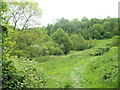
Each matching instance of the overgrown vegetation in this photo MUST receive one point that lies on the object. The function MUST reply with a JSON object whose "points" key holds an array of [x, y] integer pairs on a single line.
{"points": [[115, 41], [81, 70], [66, 54], [99, 51]]}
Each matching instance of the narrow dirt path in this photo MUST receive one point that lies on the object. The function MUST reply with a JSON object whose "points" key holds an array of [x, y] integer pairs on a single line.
{"points": [[77, 80]]}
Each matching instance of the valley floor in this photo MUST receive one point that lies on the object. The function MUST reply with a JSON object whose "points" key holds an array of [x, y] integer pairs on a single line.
{"points": [[80, 69]]}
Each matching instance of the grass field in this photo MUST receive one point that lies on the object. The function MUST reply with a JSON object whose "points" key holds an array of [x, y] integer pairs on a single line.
{"points": [[80, 69]]}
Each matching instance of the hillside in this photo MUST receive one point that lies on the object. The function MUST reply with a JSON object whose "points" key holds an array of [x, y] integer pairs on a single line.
{"points": [[82, 69]]}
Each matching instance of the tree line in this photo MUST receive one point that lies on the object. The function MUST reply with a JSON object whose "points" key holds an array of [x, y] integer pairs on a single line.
{"points": [[89, 28]]}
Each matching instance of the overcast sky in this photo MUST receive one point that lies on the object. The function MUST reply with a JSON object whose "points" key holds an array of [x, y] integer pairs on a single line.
{"points": [[69, 9]]}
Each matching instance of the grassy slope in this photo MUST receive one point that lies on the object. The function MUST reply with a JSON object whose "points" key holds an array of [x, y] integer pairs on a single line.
{"points": [[79, 69]]}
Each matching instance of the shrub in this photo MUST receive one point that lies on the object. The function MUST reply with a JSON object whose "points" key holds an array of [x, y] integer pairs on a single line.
{"points": [[91, 43], [54, 48], [33, 74], [79, 43], [115, 41], [12, 78], [108, 35], [99, 51]]}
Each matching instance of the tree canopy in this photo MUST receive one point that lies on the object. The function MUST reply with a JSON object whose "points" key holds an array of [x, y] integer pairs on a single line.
{"points": [[23, 14]]}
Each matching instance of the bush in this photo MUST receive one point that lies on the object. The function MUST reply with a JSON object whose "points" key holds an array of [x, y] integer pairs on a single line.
{"points": [[36, 50], [79, 43], [115, 41], [12, 78], [33, 74], [91, 43], [19, 73], [54, 48], [99, 51]]}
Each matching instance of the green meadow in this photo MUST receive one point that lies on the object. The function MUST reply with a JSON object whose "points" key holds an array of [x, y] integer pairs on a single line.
{"points": [[79, 69]]}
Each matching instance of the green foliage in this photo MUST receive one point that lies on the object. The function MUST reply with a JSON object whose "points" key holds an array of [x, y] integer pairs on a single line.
{"points": [[97, 34], [104, 69], [53, 48], [73, 70], [107, 26], [33, 75], [91, 43], [12, 79], [80, 70], [115, 41], [108, 34], [26, 43], [23, 14], [98, 31], [76, 41], [115, 31], [93, 28], [63, 40], [79, 43], [34, 43], [17, 71], [99, 51], [3, 9]]}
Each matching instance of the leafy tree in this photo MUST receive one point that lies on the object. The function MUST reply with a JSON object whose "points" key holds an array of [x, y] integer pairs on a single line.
{"points": [[23, 14], [30, 43], [62, 39], [107, 26], [74, 26], [85, 22], [94, 21], [99, 28], [77, 41], [63, 24], [97, 34], [34, 42]]}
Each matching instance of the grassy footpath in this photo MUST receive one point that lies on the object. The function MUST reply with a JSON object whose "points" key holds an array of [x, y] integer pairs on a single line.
{"points": [[79, 69]]}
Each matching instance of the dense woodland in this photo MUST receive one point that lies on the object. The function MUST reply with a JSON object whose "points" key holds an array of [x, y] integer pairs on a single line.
{"points": [[24, 49]]}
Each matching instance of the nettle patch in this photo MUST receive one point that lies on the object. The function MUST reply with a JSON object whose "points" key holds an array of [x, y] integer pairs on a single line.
{"points": [[104, 69], [99, 51]]}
